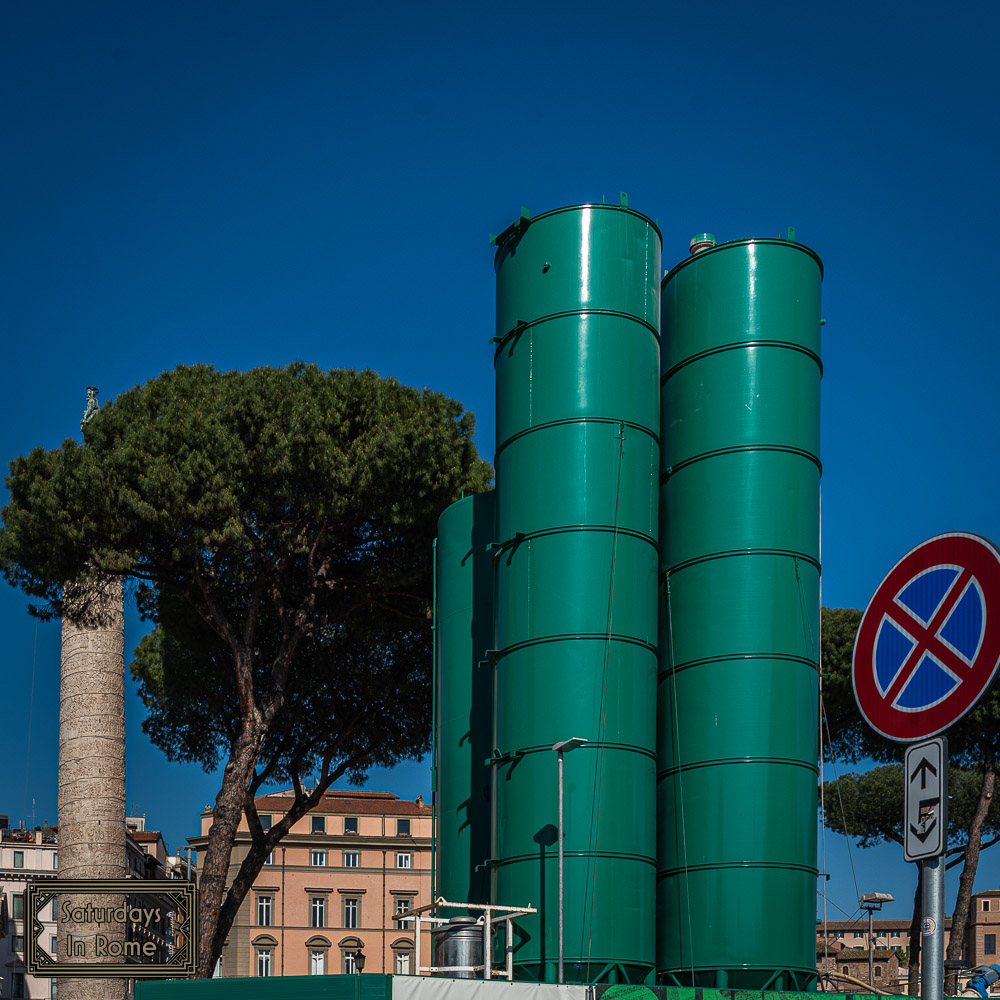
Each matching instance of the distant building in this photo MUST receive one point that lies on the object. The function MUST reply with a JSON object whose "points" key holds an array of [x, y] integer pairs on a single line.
{"points": [[980, 946], [854, 962], [25, 856], [332, 887]]}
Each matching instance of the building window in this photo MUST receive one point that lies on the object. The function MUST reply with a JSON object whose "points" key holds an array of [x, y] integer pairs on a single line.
{"points": [[265, 824], [351, 859], [847, 970], [859, 934], [351, 827], [403, 906], [17, 942], [53, 988], [263, 961], [269, 860], [55, 859], [352, 907], [895, 934], [403, 963], [55, 907], [17, 906], [986, 905], [317, 911], [404, 860], [839, 934], [878, 971], [317, 859], [264, 914], [350, 966], [19, 863], [318, 824], [54, 940], [402, 828], [17, 985], [317, 963], [989, 944]]}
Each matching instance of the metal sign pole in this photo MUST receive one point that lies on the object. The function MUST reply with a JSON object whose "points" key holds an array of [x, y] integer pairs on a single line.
{"points": [[932, 930]]}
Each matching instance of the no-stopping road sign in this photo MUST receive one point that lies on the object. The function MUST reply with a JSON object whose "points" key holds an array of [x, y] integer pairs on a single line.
{"points": [[928, 646]]}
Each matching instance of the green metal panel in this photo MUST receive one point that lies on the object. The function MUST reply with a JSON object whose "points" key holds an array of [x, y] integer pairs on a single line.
{"points": [[365, 987], [464, 634], [577, 464], [739, 531]]}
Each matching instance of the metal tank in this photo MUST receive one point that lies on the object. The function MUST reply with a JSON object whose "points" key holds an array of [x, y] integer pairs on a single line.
{"points": [[458, 943], [739, 599], [576, 556], [463, 625]]}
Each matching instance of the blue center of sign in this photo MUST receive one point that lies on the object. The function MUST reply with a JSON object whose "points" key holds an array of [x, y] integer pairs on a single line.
{"points": [[959, 619]]}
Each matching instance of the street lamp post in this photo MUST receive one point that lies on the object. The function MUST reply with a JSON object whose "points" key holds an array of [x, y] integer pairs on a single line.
{"points": [[872, 901], [561, 748]]}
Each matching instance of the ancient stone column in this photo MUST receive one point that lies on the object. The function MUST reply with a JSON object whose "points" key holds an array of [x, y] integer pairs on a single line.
{"points": [[91, 769]]}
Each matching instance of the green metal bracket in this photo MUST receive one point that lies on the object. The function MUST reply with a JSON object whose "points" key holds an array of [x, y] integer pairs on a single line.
{"points": [[516, 228], [791, 234], [623, 199], [519, 327]]}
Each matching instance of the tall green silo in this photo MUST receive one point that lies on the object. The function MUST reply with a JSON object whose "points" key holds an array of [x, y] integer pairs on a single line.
{"points": [[576, 563], [463, 619], [739, 603]]}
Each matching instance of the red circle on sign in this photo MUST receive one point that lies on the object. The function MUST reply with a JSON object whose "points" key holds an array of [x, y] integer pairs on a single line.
{"points": [[919, 663]]}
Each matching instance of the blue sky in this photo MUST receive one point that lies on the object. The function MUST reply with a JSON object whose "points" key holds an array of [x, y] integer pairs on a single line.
{"points": [[252, 183]]}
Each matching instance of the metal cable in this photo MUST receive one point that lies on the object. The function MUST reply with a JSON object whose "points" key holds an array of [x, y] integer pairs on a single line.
{"points": [[680, 773], [596, 813]]}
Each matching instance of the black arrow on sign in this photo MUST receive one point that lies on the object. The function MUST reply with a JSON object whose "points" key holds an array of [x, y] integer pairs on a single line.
{"points": [[922, 768]]}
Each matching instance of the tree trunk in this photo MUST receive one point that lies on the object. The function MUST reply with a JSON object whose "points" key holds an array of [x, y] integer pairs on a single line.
{"points": [[913, 972], [91, 767], [960, 918], [214, 871]]}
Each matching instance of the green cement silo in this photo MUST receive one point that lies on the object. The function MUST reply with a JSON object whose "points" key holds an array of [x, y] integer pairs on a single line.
{"points": [[576, 562], [739, 603], [463, 636]]}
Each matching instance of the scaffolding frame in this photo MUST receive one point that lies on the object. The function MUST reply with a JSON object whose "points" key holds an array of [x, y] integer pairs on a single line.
{"points": [[486, 920]]}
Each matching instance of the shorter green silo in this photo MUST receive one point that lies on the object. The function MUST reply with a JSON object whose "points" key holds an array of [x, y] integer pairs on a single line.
{"points": [[739, 605], [463, 634]]}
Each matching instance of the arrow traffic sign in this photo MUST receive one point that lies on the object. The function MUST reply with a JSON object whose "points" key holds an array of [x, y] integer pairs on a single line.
{"points": [[925, 819], [928, 646]]}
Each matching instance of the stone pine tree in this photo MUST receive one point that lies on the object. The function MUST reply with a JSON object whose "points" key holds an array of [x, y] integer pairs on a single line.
{"points": [[973, 745], [92, 763], [277, 526]]}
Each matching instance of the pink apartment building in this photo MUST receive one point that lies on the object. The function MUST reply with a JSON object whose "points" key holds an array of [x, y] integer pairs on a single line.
{"points": [[332, 887]]}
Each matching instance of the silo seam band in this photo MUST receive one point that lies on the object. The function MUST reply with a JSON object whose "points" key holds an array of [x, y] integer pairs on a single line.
{"points": [[562, 529], [731, 553], [578, 420], [533, 858], [527, 324], [738, 346], [593, 745], [696, 765], [787, 449], [737, 658], [673, 872], [583, 636]]}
